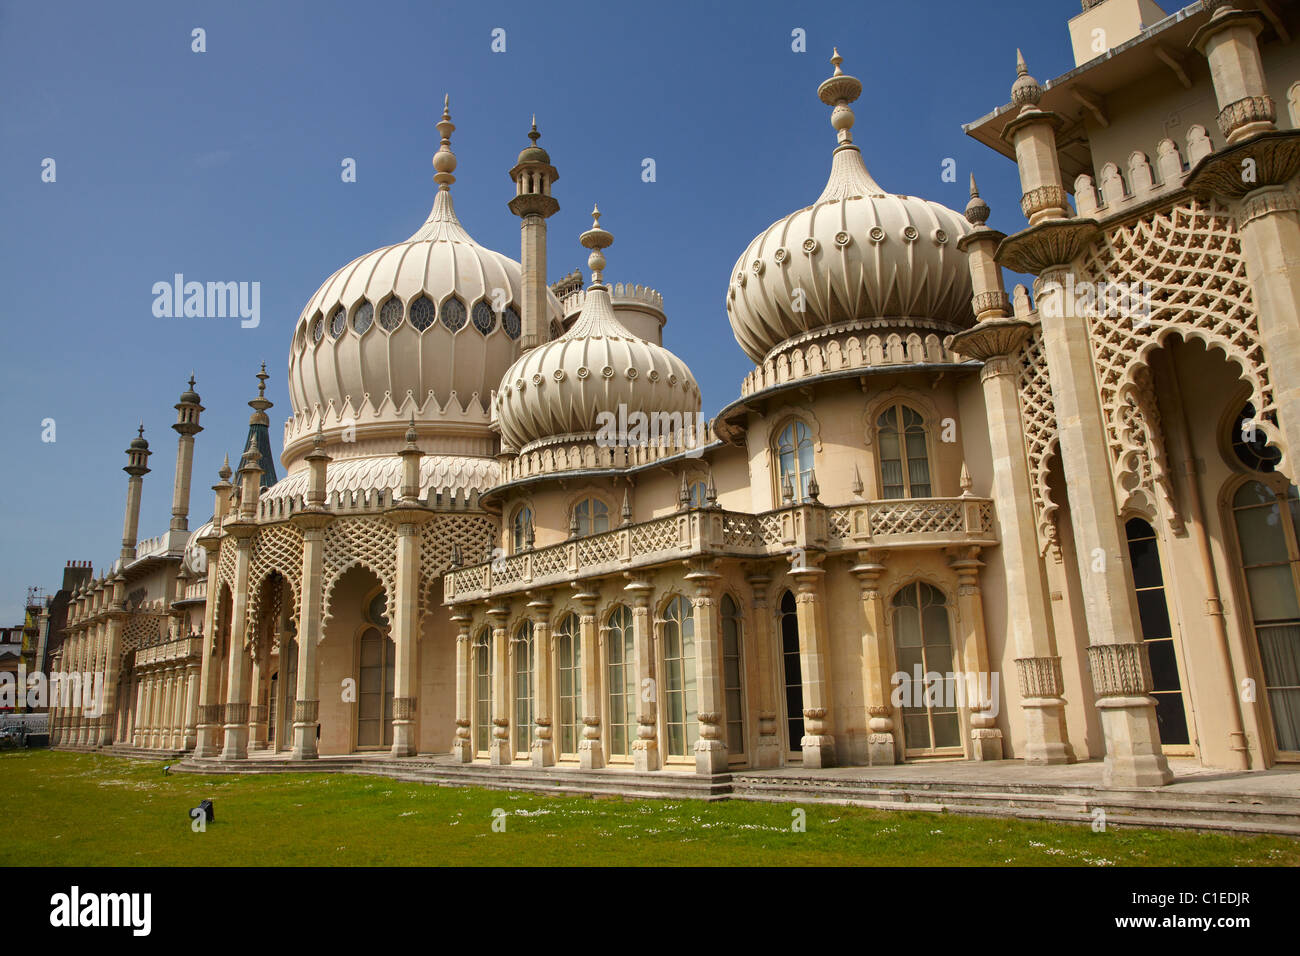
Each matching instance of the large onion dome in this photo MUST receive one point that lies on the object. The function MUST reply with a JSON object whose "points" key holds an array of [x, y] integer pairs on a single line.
{"points": [[423, 327], [557, 391], [858, 257]]}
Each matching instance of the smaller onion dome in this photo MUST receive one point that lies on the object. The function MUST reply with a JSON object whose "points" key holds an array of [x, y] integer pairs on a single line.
{"points": [[559, 390], [533, 153], [139, 441]]}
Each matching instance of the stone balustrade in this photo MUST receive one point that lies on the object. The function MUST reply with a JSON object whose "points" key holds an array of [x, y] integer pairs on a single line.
{"points": [[893, 523]]}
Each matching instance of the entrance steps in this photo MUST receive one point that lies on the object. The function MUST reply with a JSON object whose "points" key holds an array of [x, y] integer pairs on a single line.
{"points": [[1265, 813]]}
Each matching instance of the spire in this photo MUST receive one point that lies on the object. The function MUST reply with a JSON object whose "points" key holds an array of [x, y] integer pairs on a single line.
{"points": [[1025, 91], [849, 177], [596, 239], [259, 432], [225, 472], [444, 160], [977, 210]]}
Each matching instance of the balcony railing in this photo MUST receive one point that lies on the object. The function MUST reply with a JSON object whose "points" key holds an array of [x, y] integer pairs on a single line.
{"points": [[699, 532]]}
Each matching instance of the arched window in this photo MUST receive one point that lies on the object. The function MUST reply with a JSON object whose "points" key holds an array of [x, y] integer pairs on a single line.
{"points": [[375, 678], [1157, 632], [679, 677], [732, 680], [904, 462], [621, 657], [1249, 445], [510, 322], [338, 322], [923, 649], [485, 319], [483, 690], [794, 452], [363, 317], [568, 658], [521, 529], [1266, 543], [792, 675], [591, 516], [700, 494], [523, 717], [452, 314]]}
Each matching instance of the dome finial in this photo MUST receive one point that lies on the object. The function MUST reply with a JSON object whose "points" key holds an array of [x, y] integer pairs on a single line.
{"points": [[1025, 91], [444, 160], [838, 92], [596, 239], [977, 210], [532, 133]]}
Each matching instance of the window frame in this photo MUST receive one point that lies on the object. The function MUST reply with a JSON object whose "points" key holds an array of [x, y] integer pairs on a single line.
{"points": [[895, 408]]}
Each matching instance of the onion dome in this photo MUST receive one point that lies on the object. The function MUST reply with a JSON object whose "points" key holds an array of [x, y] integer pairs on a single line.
{"points": [[858, 257], [423, 327], [533, 153], [558, 391]]}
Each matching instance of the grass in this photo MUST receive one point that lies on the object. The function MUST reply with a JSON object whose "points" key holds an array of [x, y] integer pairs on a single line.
{"points": [[66, 809]]}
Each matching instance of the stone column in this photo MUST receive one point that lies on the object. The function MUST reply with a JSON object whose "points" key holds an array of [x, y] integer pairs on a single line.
{"points": [[178, 712], [462, 747], [141, 702], [406, 629], [306, 708], [112, 663], [590, 751], [977, 681], [543, 744], [238, 673], [645, 749], [501, 751], [768, 753], [877, 658], [996, 339], [818, 742], [1118, 657], [210, 716], [257, 714], [711, 745], [191, 706]]}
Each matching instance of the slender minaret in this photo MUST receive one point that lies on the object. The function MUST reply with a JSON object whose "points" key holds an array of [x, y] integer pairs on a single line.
{"points": [[533, 175], [137, 466], [187, 426], [259, 431]]}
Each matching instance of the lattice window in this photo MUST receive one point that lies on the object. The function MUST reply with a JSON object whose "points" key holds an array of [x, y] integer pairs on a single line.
{"points": [[1038, 422], [276, 548], [370, 542], [550, 561], [926, 518], [226, 563], [474, 533], [1188, 260], [598, 550]]}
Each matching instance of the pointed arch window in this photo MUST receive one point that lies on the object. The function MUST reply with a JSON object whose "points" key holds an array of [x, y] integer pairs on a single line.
{"points": [[1266, 524], [904, 460], [591, 516], [521, 529], [483, 690], [794, 452], [390, 314], [923, 649], [621, 669], [485, 319], [680, 694], [523, 696], [568, 659], [452, 314], [422, 313], [375, 683], [363, 317], [733, 669]]}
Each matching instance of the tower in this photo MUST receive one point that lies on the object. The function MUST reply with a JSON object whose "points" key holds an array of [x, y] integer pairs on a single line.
{"points": [[187, 426], [259, 431], [533, 175], [137, 466]]}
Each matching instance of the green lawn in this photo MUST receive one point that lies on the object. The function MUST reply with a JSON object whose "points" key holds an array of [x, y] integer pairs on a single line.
{"points": [[91, 810]]}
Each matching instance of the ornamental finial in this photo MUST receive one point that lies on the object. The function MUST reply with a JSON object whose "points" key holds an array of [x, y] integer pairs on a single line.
{"points": [[596, 239], [977, 210], [444, 160], [838, 92]]}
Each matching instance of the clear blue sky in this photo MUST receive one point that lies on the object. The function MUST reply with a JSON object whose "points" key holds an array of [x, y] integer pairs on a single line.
{"points": [[225, 165]]}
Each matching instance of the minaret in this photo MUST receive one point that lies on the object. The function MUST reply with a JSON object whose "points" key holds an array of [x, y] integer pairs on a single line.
{"points": [[137, 466], [259, 431], [533, 204], [187, 426]]}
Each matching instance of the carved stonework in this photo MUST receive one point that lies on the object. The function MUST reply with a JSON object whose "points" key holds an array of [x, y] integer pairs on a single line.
{"points": [[1054, 243], [1044, 197], [1038, 421], [1120, 670], [1187, 263], [1040, 676], [306, 711], [404, 708], [1248, 109], [1273, 158], [236, 714], [210, 713]]}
